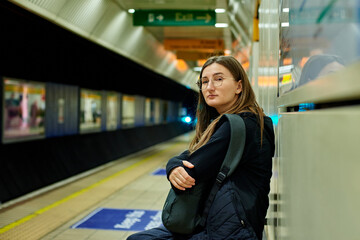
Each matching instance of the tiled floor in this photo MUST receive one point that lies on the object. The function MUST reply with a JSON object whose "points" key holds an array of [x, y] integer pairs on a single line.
{"points": [[124, 184], [147, 192]]}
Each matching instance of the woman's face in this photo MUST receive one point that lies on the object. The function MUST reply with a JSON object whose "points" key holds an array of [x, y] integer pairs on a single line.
{"points": [[220, 97]]}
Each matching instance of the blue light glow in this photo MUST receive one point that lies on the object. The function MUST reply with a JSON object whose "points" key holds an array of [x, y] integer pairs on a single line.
{"points": [[275, 119], [306, 106], [186, 119]]}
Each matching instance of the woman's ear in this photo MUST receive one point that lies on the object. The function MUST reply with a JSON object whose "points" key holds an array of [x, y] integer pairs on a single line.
{"points": [[239, 87]]}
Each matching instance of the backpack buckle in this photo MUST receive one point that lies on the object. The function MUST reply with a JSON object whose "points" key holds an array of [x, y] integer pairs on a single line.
{"points": [[220, 177]]}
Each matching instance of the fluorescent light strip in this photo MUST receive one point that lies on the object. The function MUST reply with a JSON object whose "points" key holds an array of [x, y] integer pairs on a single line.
{"points": [[221, 25], [220, 10]]}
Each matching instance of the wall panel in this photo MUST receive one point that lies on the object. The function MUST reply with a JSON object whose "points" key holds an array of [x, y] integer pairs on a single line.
{"points": [[320, 174], [62, 110]]}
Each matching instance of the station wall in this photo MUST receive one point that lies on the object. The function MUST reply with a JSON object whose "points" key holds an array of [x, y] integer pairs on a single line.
{"points": [[35, 50]]}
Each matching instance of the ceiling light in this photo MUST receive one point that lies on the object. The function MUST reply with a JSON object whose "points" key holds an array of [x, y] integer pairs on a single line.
{"points": [[220, 10], [285, 9], [131, 10], [197, 69], [284, 24], [221, 25]]}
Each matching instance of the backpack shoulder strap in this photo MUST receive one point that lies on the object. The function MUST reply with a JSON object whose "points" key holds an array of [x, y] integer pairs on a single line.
{"points": [[232, 159], [237, 143]]}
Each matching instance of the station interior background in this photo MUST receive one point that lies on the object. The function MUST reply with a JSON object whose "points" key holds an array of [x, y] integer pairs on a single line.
{"points": [[80, 57]]}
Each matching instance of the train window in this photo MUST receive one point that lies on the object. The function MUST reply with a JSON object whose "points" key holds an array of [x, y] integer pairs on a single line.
{"points": [[317, 38]]}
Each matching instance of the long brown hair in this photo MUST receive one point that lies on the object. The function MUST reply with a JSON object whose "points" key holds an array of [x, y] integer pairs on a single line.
{"points": [[246, 102]]}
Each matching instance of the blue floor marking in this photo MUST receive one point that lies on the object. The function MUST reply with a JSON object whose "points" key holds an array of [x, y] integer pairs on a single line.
{"points": [[160, 171], [121, 219]]}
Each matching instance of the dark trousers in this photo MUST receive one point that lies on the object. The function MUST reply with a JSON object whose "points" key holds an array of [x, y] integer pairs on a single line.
{"points": [[161, 233]]}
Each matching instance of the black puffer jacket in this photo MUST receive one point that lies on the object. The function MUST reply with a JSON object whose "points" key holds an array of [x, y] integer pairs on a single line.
{"points": [[246, 191]]}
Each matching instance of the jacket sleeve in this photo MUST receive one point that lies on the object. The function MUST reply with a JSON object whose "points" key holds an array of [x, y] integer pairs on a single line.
{"points": [[176, 162], [207, 160]]}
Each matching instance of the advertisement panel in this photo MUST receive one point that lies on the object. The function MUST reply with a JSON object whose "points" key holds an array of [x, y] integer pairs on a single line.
{"points": [[128, 113], [90, 110], [24, 110]]}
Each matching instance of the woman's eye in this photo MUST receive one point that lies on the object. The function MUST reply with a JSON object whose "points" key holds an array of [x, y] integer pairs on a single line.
{"points": [[218, 79]]}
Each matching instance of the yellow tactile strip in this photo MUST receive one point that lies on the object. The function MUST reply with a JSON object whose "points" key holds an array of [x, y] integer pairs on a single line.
{"points": [[45, 220]]}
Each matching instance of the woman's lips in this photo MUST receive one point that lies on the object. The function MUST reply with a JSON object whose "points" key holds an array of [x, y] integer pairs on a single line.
{"points": [[211, 96]]}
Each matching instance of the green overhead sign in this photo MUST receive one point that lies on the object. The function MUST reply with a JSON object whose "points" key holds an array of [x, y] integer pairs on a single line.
{"points": [[174, 18]]}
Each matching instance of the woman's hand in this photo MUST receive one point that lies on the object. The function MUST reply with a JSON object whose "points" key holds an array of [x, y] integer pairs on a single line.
{"points": [[180, 178]]}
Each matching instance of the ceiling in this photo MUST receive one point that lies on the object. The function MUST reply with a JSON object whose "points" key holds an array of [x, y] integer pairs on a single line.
{"points": [[228, 34], [182, 32], [109, 24]]}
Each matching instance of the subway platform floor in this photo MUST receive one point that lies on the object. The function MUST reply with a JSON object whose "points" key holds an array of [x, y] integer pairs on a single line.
{"points": [[109, 202]]}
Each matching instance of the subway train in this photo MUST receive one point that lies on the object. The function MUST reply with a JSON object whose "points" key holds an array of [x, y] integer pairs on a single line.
{"points": [[77, 75]]}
